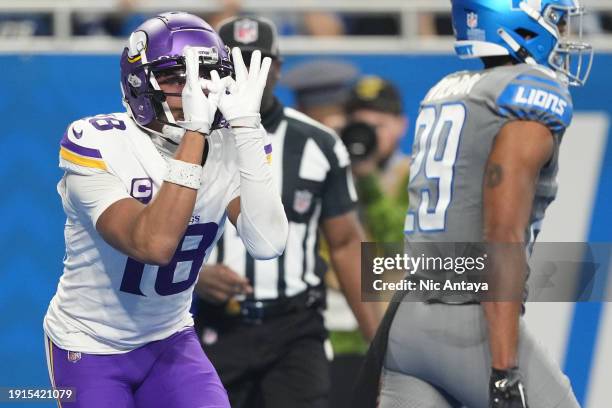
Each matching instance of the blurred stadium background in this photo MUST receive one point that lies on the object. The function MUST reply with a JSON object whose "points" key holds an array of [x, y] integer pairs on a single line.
{"points": [[59, 62]]}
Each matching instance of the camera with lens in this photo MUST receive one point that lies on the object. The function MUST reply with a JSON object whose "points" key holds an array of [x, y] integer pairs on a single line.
{"points": [[360, 140]]}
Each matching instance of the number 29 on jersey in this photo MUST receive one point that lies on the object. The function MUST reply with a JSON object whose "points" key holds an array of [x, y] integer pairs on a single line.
{"points": [[438, 133]]}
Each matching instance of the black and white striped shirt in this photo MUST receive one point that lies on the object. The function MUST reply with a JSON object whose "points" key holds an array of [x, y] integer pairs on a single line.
{"points": [[311, 166]]}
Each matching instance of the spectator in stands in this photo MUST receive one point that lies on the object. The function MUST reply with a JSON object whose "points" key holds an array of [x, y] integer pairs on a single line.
{"points": [[432, 24], [117, 24], [376, 123], [227, 9], [24, 25], [373, 24], [318, 24]]}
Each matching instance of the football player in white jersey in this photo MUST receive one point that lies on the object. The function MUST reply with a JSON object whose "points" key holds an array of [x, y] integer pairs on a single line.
{"points": [[146, 194]]}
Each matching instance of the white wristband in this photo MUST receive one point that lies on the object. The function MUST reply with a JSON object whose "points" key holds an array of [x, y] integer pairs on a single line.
{"points": [[251, 121], [184, 174]]}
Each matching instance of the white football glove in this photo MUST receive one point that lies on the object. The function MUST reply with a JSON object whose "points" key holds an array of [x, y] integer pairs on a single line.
{"points": [[240, 104], [198, 109]]}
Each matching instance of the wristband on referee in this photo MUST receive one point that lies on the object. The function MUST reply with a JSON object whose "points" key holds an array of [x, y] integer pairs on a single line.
{"points": [[184, 174]]}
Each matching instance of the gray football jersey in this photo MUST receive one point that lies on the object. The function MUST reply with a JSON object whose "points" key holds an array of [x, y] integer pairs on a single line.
{"points": [[457, 124]]}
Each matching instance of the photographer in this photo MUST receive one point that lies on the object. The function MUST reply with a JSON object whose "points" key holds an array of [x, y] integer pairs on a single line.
{"points": [[376, 124]]}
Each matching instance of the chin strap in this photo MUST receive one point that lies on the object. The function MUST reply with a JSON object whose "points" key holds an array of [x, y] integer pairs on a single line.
{"points": [[521, 51]]}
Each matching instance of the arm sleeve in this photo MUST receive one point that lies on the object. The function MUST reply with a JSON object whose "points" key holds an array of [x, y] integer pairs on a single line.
{"points": [[234, 187], [90, 195], [262, 223], [339, 194], [536, 96]]}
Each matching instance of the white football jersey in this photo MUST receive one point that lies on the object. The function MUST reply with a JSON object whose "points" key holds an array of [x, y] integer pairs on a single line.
{"points": [[106, 302]]}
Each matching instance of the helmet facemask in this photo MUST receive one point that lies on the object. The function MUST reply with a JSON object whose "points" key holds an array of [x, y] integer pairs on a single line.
{"points": [[141, 84], [535, 32], [572, 57], [155, 51], [171, 71]]}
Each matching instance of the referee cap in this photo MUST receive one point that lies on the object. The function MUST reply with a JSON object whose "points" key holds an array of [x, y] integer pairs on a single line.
{"points": [[250, 33]]}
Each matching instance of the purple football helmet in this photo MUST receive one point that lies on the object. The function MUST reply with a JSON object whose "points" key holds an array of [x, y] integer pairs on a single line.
{"points": [[157, 47]]}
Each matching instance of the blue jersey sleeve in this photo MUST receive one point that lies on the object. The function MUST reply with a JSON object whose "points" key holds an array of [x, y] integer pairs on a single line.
{"points": [[537, 96]]}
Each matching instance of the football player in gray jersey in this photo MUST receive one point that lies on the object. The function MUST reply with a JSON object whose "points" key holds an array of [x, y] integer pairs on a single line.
{"points": [[485, 159]]}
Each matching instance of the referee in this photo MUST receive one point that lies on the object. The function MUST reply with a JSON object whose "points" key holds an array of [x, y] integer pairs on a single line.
{"points": [[260, 322]]}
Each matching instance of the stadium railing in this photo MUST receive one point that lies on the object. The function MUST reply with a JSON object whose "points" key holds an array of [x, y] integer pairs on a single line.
{"points": [[62, 40]]}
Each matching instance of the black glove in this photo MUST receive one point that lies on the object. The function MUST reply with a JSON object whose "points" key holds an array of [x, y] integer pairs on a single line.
{"points": [[506, 389]]}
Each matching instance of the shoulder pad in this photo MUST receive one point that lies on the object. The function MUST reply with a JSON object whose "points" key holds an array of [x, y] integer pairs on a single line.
{"points": [[536, 95], [79, 148]]}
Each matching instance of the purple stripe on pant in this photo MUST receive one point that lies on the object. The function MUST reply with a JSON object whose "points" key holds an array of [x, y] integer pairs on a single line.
{"points": [[173, 372]]}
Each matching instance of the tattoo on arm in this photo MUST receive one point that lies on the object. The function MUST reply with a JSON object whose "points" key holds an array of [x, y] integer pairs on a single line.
{"points": [[494, 175]]}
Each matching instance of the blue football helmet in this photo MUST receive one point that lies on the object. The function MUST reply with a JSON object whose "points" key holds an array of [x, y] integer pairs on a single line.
{"points": [[530, 31]]}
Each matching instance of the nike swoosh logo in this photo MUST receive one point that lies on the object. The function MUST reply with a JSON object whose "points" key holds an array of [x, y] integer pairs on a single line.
{"points": [[76, 134]]}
